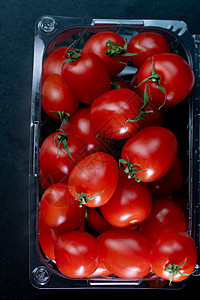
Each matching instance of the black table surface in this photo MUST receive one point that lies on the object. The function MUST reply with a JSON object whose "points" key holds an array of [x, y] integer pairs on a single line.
{"points": [[17, 19]]}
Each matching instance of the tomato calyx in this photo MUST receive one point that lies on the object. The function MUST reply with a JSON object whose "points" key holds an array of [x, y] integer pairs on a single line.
{"points": [[115, 49], [143, 112], [84, 198], [71, 55], [63, 116], [174, 269], [156, 78], [131, 170], [62, 138]]}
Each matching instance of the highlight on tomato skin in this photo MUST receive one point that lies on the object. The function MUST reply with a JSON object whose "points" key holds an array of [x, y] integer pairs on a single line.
{"points": [[77, 254], [173, 255]]}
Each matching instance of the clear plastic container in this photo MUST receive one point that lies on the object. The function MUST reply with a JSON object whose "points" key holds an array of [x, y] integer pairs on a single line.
{"points": [[52, 32]]}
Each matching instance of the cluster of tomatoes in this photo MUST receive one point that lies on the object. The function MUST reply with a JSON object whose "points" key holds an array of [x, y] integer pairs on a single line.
{"points": [[111, 171]]}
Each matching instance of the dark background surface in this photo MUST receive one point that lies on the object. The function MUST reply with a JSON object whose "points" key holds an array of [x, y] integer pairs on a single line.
{"points": [[17, 19]]}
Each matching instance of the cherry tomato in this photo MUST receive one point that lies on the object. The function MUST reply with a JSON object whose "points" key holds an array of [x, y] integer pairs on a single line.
{"points": [[130, 204], [53, 63], [47, 238], [96, 221], [110, 111], [125, 253], [77, 254], [169, 184], [110, 53], [79, 124], [94, 179], [173, 255], [55, 161], [149, 154], [148, 44], [170, 77], [165, 214], [86, 75], [59, 210], [57, 97]]}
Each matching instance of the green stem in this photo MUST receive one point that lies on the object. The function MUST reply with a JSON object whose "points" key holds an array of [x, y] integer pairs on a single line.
{"points": [[62, 138], [131, 170], [84, 198], [63, 116]]}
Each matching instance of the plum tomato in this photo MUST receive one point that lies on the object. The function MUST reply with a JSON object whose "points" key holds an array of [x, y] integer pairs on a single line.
{"points": [[96, 221], [47, 238], [169, 79], [86, 75], [148, 44], [77, 254], [94, 179], [130, 204], [55, 161], [53, 63], [173, 255], [125, 253], [79, 125], [149, 154], [165, 214], [59, 210], [57, 97], [169, 184], [109, 114], [110, 48]]}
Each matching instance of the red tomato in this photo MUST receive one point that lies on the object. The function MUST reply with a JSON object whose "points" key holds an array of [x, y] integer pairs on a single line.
{"points": [[125, 253], [77, 254], [101, 270], [93, 180], [57, 97], [165, 214], [86, 75], [173, 255], [118, 83], [55, 162], [149, 44], [109, 113], [53, 63], [172, 74], [149, 154], [101, 44], [130, 204], [169, 184], [59, 210], [47, 238], [96, 221], [79, 124], [43, 181]]}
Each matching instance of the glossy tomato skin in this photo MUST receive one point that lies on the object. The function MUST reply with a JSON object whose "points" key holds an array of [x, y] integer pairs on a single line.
{"points": [[55, 163], [101, 270], [59, 210], [169, 184], [57, 97], [109, 113], [53, 63], [97, 44], [177, 78], [125, 253], [87, 77], [173, 247], [47, 238], [149, 44], [77, 254], [79, 124], [130, 204], [152, 149], [96, 173], [165, 214]]}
